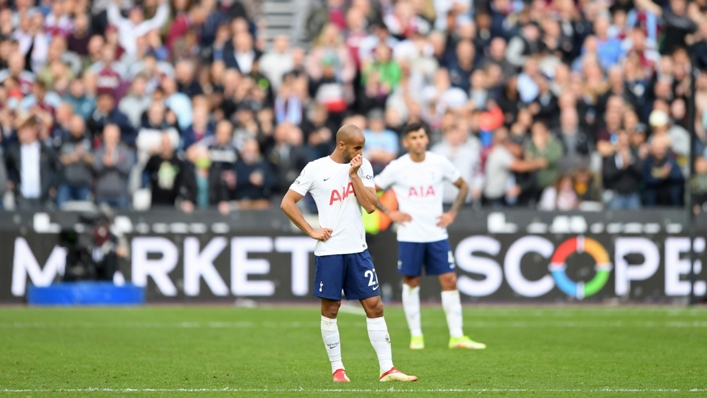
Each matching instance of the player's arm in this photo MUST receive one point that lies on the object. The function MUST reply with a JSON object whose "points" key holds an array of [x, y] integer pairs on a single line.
{"points": [[289, 206], [396, 216], [447, 218], [367, 197]]}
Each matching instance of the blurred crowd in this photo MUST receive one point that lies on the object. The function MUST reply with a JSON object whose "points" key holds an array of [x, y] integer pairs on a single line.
{"points": [[547, 104]]}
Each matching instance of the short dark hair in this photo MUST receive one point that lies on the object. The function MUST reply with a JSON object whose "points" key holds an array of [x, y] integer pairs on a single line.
{"points": [[410, 127]]}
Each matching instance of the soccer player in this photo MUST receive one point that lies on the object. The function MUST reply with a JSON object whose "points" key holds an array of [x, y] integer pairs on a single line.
{"points": [[341, 184], [417, 180]]}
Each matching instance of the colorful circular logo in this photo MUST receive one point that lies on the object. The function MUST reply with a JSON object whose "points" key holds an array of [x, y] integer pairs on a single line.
{"points": [[558, 264]]}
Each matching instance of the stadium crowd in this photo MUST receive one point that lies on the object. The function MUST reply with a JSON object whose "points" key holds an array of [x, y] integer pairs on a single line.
{"points": [[549, 104]]}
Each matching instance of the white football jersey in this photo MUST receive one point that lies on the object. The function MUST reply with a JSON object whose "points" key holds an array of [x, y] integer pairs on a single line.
{"points": [[332, 190], [419, 187]]}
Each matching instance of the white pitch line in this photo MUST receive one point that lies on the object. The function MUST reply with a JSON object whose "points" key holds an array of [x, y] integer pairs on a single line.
{"points": [[335, 390]]}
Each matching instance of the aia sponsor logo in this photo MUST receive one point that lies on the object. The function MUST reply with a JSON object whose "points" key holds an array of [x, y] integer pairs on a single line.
{"points": [[421, 192], [337, 196]]}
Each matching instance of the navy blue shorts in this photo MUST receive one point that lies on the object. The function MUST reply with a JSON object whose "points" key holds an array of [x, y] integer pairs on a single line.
{"points": [[435, 256], [353, 273]]}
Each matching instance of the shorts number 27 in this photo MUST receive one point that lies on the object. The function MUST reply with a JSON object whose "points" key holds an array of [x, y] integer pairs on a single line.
{"points": [[372, 277]]}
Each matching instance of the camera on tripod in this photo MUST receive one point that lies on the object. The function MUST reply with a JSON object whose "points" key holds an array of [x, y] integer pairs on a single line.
{"points": [[90, 248]]}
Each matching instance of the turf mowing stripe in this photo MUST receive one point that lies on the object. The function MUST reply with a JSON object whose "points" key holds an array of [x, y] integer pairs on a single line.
{"points": [[392, 389], [294, 325]]}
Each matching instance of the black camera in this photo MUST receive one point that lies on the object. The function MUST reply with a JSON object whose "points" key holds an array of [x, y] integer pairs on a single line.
{"points": [[90, 249]]}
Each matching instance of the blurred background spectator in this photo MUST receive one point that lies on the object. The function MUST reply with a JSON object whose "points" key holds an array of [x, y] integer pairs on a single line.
{"points": [[530, 100]]}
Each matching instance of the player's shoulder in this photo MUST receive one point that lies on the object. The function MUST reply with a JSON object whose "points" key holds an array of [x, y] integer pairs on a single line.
{"points": [[437, 158], [400, 162], [318, 164]]}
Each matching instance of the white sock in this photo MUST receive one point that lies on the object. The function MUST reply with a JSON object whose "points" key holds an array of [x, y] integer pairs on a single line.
{"points": [[380, 340], [453, 310], [411, 305], [332, 343]]}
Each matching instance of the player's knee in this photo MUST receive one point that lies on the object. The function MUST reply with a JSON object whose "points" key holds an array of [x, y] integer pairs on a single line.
{"points": [[375, 309], [330, 309], [412, 281], [448, 281]]}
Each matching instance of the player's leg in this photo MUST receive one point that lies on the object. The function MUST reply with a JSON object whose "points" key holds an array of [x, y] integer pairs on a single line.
{"points": [[440, 261], [328, 282], [410, 256], [361, 283]]}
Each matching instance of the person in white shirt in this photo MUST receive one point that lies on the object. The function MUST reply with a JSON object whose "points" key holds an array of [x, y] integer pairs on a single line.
{"points": [[135, 26], [418, 182], [341, 184]]}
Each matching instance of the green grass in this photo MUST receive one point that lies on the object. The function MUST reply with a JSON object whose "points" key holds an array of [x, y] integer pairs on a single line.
{"points": [[540, 351]]}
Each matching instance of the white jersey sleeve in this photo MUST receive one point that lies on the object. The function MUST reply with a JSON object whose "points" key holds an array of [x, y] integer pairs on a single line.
{"points": [[304, 181], [449, 172], [366, 174]]}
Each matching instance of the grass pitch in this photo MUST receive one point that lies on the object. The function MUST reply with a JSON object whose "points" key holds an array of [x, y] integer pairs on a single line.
{"points": [[278, 351]]}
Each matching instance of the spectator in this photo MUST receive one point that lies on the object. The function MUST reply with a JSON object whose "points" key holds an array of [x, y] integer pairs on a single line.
{"points": [[609, 49], [203, 186], [274, 64], [559, 196], [699, 185], [576, 144], [545, 106], [526, 44], [136, 103], [460, 70], [186, 79], [331, 68], [441, 96], [623, 175], [545, 146], [201, 128], [241, 53], [106, 114], [80, 102], [16, 70], [129, 29], [381, 144], [77, 159], [587, 185], [288, 106], [288, 156], [41, 98], [677, 137], [496, 56], [177, 102], [165, 171], [112, 164], [464, 151], [504, 159], [182, 24], [608, 136], [386, 69], [662, 176], [31, 167], [150, 136], [77, 41], [254, 180]]}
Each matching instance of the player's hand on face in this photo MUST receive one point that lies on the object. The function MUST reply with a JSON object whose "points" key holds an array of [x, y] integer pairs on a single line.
{"points": [[356, 163], [322, 234], [399, 217], [445, 219]]}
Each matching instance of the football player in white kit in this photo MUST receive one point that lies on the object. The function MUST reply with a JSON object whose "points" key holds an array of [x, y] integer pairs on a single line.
{"points": [[418, 180], [341, 184]]}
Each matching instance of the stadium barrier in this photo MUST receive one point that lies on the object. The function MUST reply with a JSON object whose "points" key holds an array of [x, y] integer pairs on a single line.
{"points": [[512, 256]]}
